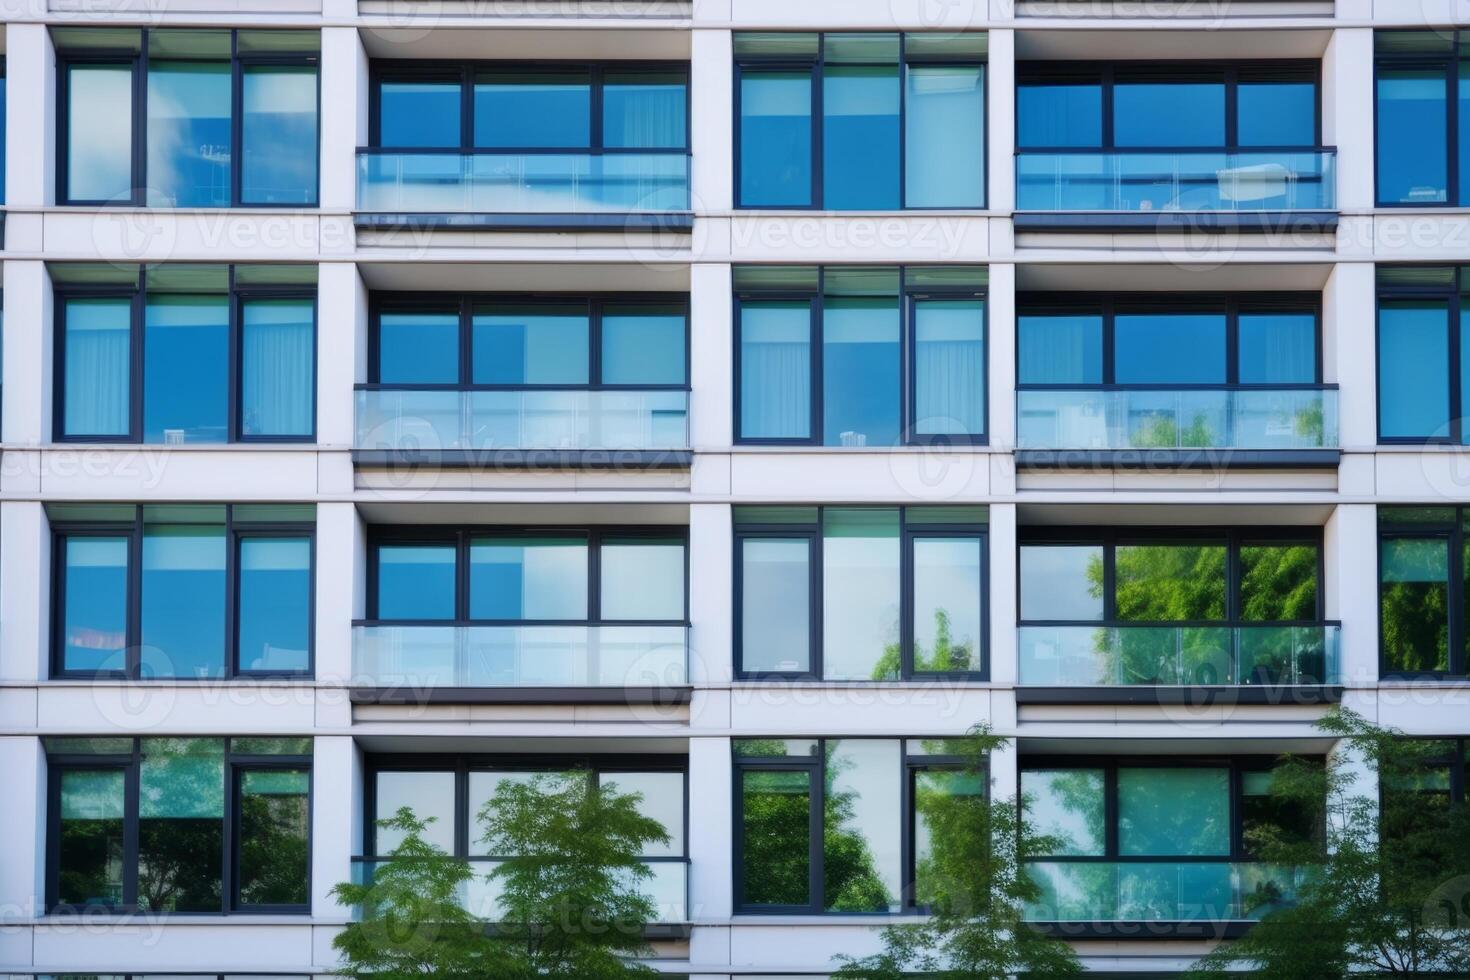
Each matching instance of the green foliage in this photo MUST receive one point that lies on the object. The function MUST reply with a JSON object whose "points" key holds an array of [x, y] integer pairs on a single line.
{"points": [[946, 657], [1414, 606]]}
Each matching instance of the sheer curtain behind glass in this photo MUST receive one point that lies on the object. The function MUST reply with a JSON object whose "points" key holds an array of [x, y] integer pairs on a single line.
{"points": [[643, 109], [98, 355], [277, 367], [775, 369], [949, 346]]}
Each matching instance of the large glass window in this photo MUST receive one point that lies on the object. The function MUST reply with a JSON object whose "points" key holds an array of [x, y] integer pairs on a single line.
{"points": [[181, 151], [901, 119], [145, 825], [1423, 354], [823, 354], [225, 354], [1422, 117], [1423, 553], [182, 590], [861, 561]]}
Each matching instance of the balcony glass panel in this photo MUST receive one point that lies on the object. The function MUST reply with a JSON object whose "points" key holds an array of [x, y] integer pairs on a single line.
{"points": [[1186, 181], [1163, 891]]}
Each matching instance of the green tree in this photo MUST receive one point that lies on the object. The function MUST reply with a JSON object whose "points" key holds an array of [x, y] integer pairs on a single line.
{"points": [[946, 656]]}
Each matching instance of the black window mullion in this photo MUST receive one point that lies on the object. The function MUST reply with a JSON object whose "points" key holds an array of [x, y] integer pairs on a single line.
{"points": [[905, 601], [594, 575], [134, 629], [1453, 375], [140, 122], [817, 616], [462, 815], [138, 317], [1110, 811], [467, 107], [816, 839], [818, 435], [130, 828], [237, 128], [594, 105], [818, 73], [232, 595], [1232, 109], [466, 341], [1452, 128], [234, 357], [903, 108], [462, 576], [1456, 601], [595, 313]]}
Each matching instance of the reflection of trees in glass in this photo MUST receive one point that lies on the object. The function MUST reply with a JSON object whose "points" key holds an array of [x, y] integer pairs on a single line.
{"points": [[91, 848], [181, 824], [850, 879], [1164, 432], [1414, 604], [776, 825], [273, 837], [946, 657]]}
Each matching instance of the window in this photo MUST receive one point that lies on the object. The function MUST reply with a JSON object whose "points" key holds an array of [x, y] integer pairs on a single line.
{"points": [[192, 591], [1427, 778], [874, 795], [187, 118], [822, 354], [189, 825], [818, 592], [1422, 556], [1423, 354], [1423, 118], [176, 354], [860, 122]]}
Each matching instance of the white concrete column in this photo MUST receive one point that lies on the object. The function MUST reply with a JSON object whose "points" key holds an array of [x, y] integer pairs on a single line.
{"points": [[711, 881], [1005, 772], [1347, 113], [25, 601], [711, 592], [336, 818], [344, 122], [1000, 330], [712, 133], [1000, 101], [1350, 560], [25, 412], [30, 114], [711, 335], [1003, 593], [1349, 351], [342, 356], [23, 824], [341, 557]]}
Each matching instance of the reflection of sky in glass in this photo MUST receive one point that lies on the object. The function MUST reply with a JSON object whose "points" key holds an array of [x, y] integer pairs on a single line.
{"points": [[427, 794], [947, 580], [868, 770], [860, 584], [1055, 584], [99, 132], [1066, 804], [189, 134]]}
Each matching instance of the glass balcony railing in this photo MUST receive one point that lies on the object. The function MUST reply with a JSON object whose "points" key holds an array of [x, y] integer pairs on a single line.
{"points": [[572, 418], [1176, 180], [1177, 418], [1111, 656], [421, 657], [1160, 891], [667, 889], [461, 181]]}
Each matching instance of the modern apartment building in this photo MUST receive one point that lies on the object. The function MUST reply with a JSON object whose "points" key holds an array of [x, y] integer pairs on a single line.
{"points": [[731, 399]]}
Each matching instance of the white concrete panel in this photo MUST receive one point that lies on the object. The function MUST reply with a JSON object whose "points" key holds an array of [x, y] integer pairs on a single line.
{"points": [[927, 708], [1003, 590], [22, 824], [710, 590], [711, 401], [25, 412], [344, 95], [915, 238], [25, 600], [207, 235], [341, 303], [178, 472], [931, 475], [30, 108], [710, 832], [175, 944], [711, 135], [177, 708]]}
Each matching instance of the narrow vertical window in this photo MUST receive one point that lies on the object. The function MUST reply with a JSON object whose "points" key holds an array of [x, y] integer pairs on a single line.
{"points": [[98, 359], [274, 628], [860, 112], [775, 625], [94, 622], [1413, 376], [277, 367], [944, 137], [90, 852], [775, 369], [189, 137], [860, 593], [99, 115], [186, 369], [181, 810], [1413, 144], [183, 611], [278, 135], [775, 138], [775, 829], [273, 843], [1414, 604], [949, 367]]}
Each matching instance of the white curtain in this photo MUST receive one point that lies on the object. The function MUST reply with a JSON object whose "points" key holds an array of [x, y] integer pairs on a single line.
{"points": [[277, 368]]}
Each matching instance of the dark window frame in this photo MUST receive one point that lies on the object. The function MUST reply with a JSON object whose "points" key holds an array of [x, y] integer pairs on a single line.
{"points": [[1450, 61], [1457, 629], [1451, 293]]}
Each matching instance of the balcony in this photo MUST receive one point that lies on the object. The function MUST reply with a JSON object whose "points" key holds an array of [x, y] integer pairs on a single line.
{"points": [[1254, 190], [532, 191], [520, 664], [1196, 427], [569, 427], [1266, 664]]}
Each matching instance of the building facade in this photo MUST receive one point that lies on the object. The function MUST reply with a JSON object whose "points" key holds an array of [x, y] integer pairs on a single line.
{"points": [[732, 399]]}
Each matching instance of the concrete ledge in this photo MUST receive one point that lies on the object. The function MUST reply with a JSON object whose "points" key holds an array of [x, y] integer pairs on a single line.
{"points": [[1177, 459], [1306, 694]]}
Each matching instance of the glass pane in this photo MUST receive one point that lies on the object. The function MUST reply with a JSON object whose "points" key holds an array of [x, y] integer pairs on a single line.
{"points": [[860, 592], [642, 579], [794, 748], [418, 348], [860, 371], [947, 629], [1413, 376], [1057, 350], [99, 133], [860, 138], [1068, 805], [189, 134], [1163, 583], [643, 348], [775, 369], [949, 367], [98, 358], [275, 604], [274, 852], [663, 800], [1464, 368], [1262, 812], [183, 600], [948, 807], [1167, 812], [1278, 582], [1169, 114], [277, 367], [418, 113], [646, 109], [1062, 582], [1278, 348], [775, 830], [1276, 113], [430, 795], [1413, 146], [90, 851], [775, 604], [278, 134], [186, 369], [528, 578], [1463, 131], [533, 110], [1169, 348], [944, 137], [775, 138], [1415, 604], [181, 819], [532, 346], [95, 617], [862, 826], [1059, 115], [416, 581]]}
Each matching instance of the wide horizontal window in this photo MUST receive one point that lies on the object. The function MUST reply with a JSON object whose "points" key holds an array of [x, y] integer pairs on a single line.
{"points": [[860, 356], [1422, 81], [189, 825], [153, 117], [1423, 354], [177, 354], [1422, 556], [860, 561], [847, 122], [190, 591]]}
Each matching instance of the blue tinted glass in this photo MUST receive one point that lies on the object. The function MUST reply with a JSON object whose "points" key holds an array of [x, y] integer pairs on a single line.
{"points": [[1413, 148], [1463, 131], [775, 138], [415, 581], [278, 134], [418, 114], [1057, 350], [528, 578], [643, 348], [1169, 114], [533, 110], [1169, 348], [1059, 115], [188, 134], [99, 132], [1413, 376], [1278, 348], [275, 604], [860, 138], [775, 369], [949, 367], [534, 346], [183, 600], [860, 371], [2, 139], [645, 109], [1276, 113], [1464, 372], [418, 348], [98, 367], [95, 618], [944, 137], [277, 367], [186, 369]]}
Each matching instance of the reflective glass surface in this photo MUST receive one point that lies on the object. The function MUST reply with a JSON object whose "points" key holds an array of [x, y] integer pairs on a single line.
{"points": [[274, 617]]}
